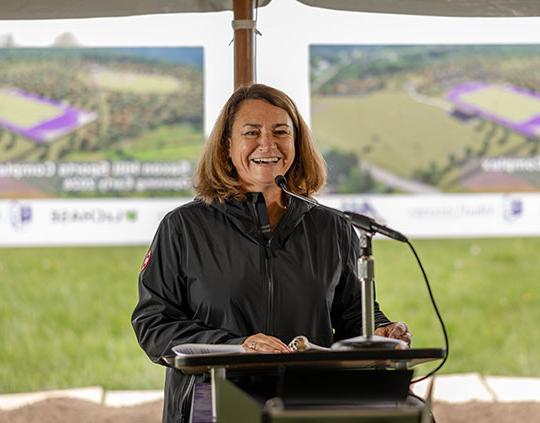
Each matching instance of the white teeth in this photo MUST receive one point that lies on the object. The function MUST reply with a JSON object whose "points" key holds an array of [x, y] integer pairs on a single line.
{"points": [[261, 160]]}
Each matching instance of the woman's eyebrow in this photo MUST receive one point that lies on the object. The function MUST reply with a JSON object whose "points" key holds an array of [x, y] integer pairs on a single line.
{"points": [[258, 125]]}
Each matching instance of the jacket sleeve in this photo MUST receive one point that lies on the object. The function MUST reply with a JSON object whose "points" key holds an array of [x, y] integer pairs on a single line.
{"points": [[347, 304], [162, 317]]}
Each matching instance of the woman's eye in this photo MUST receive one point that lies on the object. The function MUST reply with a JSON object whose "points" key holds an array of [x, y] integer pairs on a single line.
{"points": [[251, 133], [281, 132]]}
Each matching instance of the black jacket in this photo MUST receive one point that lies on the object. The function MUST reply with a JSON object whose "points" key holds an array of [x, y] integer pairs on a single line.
{"points": [[215, 274]]}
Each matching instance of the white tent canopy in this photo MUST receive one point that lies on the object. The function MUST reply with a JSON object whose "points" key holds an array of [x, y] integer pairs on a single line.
{"points": [[463, 8], [58, 9]]}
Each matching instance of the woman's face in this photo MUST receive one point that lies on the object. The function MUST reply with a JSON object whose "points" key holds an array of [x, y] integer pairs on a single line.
{"points": [[261, 144]]}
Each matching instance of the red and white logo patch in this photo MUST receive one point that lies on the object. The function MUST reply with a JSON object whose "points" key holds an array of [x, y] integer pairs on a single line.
{"points": [[146, 260]]}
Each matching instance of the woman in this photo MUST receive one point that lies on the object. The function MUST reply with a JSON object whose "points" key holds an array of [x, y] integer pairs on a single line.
{"points": [[244, 263]]}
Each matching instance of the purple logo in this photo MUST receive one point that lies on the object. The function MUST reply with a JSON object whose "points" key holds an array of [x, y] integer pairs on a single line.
{"points": [[20, 215], [512, 208]]}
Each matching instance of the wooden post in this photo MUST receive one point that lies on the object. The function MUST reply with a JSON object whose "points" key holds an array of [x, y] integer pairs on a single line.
{"points": [[244, 58]]}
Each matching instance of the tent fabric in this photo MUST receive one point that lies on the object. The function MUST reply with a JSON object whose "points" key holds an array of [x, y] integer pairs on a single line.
{"points": [[64, 9], [464, 8], [59, 9]]}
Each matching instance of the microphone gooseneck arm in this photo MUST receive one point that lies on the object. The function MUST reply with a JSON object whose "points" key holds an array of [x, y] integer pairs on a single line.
{"points": [[361, 221]]}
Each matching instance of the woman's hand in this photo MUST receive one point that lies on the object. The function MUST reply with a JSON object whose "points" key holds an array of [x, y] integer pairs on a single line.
{"points": [[397, 330], [261, 343]]}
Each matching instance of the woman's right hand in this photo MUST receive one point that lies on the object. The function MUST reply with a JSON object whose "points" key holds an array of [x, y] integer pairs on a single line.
{"points": [[261, 343]]}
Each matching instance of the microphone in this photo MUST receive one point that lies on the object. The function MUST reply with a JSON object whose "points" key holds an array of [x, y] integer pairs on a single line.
{"points": [[359, 220]]}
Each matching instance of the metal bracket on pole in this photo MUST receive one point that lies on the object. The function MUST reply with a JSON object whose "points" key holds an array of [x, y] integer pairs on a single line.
{"points": [[216, 374], [245, 24], [366, 276]]}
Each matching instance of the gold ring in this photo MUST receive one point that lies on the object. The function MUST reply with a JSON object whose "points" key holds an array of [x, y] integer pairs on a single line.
{"points": [[253, 345]]}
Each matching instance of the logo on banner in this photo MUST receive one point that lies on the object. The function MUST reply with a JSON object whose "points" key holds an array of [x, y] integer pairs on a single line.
{"points": [[512, 208], [20, 215], [93, 215], [131, 215]]}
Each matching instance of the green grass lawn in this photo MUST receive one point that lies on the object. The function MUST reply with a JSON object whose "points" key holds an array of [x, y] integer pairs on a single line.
{"points": [[488, 294], [65, 312], [65, 319]]}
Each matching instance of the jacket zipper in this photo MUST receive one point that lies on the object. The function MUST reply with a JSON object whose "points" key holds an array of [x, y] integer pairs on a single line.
{"points": [[269, 279], [270, 286]]}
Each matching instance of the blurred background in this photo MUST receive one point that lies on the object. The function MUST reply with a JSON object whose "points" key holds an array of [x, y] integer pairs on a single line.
{"points": [[428, 124]]}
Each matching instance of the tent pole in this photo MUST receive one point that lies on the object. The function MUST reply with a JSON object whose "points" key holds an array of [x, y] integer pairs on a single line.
{"points": [[244, 58]]}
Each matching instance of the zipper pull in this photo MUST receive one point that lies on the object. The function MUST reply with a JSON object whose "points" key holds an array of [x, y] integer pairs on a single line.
{"points": [[269, 252]]}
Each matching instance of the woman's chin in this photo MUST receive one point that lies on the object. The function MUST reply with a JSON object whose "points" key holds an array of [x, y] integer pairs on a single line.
{"points": [[266, 176]]}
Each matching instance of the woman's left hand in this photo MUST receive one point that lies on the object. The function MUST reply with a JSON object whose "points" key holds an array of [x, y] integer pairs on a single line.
{"points": [[397, 330], [262, 343]]}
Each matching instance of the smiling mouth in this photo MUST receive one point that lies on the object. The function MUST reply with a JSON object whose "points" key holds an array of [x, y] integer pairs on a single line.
{"points": [[266, 160]]}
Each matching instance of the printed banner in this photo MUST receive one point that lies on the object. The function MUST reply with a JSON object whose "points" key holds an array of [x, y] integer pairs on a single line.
{"points": [[131, 221]]}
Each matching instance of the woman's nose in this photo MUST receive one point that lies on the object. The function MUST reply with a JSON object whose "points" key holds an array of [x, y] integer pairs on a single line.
{"points": [[266, 141]]}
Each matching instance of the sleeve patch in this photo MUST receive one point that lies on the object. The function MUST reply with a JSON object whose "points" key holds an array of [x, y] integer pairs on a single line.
{"points": [[146, 261]]}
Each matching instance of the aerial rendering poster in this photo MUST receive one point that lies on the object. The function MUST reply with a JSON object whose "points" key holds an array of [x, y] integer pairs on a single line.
{"points": [[428, 118], [99, 122]]}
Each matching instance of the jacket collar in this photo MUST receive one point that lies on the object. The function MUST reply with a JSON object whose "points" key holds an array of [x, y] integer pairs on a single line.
{"points": [[243, 215]]}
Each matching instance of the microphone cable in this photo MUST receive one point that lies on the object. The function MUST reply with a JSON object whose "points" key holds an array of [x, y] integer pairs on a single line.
{"points": [[441, 321]]}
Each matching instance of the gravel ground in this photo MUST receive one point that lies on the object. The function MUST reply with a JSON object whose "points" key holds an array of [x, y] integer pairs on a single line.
{"points": [[78, 411]]}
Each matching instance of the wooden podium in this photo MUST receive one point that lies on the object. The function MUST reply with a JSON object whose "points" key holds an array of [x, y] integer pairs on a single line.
{"points": [[336, 386]]}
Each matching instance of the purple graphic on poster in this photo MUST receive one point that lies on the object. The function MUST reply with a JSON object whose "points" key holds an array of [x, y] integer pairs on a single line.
{"points": [[38, 118], [512, 107]]}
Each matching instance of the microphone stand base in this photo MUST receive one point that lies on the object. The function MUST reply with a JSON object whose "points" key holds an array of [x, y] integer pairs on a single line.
{"points": [[369, 343]]}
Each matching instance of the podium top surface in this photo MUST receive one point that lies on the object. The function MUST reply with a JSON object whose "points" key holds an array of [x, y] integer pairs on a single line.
{"points": [[368, 358]]}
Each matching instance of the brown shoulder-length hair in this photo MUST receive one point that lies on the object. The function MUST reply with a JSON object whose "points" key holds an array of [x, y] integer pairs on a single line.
{"points": [[216, 179]]}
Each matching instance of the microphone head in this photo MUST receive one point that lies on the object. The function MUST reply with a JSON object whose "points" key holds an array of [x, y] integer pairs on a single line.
{"points": [[281, 181]]}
